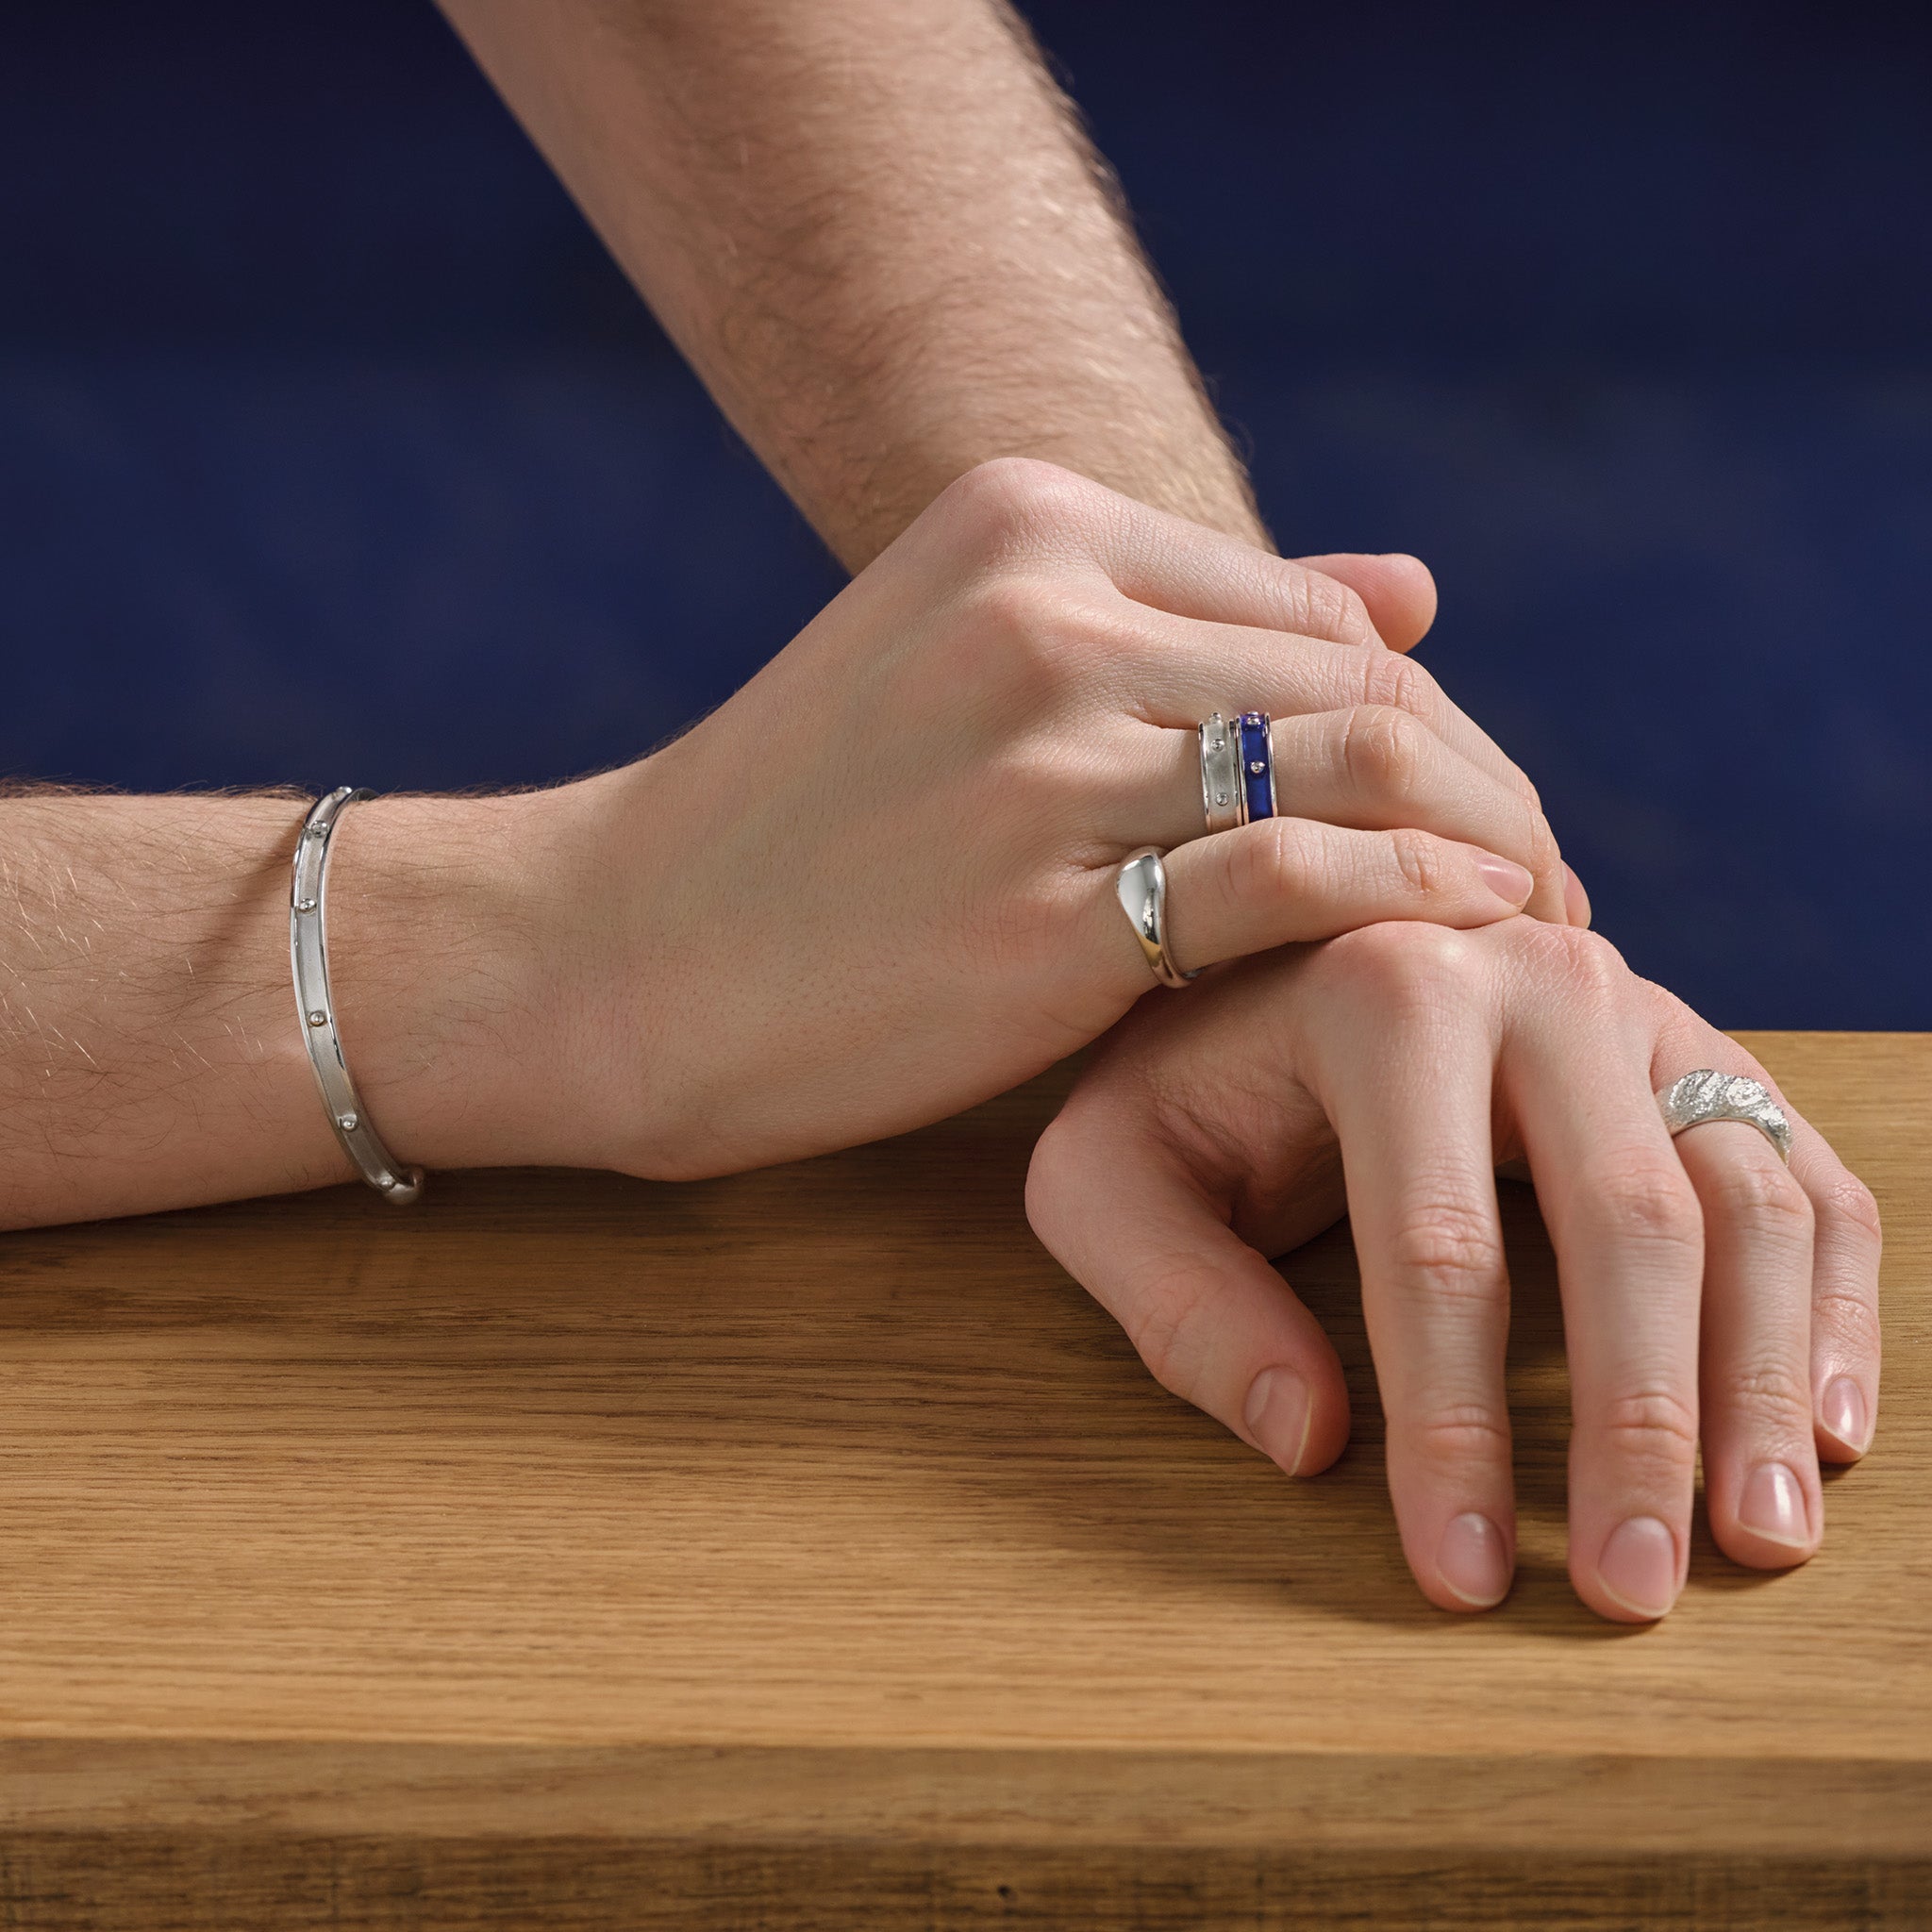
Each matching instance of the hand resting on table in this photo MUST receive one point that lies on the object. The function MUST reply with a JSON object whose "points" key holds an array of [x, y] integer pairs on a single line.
{"points": [[1709, 1295]]}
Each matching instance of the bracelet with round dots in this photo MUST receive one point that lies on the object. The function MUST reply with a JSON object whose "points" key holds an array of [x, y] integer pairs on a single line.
{"points": [[308, 954]]}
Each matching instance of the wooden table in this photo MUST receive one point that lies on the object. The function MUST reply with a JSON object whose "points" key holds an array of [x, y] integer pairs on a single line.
{"points": [[805, 1550]]}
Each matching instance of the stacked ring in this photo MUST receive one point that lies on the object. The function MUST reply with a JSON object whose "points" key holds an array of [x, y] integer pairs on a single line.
{"points": [[1237, 770], [1220, 774], [1258, 766]]}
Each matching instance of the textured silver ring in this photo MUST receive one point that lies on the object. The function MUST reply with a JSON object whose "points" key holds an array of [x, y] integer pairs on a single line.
{"points": [[1142, 886], [1223, 797], [1707, 1095]]}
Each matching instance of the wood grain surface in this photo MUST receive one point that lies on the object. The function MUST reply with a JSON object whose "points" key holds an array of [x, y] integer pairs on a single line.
{"points": [[803, 1550]]}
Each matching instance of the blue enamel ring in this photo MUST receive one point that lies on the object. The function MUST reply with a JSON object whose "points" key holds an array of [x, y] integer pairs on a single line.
{"points": [[1257, 765]]}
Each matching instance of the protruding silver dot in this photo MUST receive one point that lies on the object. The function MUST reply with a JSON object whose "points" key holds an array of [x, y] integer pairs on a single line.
{"points": [[1221, 798], [318, 1018], [304, 905], [1255, 766], [346, 1121]]}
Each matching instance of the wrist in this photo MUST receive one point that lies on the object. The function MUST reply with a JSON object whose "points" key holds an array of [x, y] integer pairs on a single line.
{"points": [[455, 956]]}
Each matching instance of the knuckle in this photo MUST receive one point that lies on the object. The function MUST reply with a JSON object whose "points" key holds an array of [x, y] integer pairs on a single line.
{"points": [[1541, 852], [1654, 1426], [1646, 1201], [1041, 640], [1762, 1193], [1453, 1435], [1849, 1201], [1768, 1391], [1277, 860], [1013, 500], [1589, 964], [1400, 683], [1168, 1327], [1419, 857], [1388, 677], [1852, 1317], [1381, 749], [1450, 1249], [1582, 965], [1401, 965], [1331, 609]]}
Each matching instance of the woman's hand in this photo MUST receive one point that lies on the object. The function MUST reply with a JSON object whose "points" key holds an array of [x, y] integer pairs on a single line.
{"points": [[1708, 1293], [879, 884]]}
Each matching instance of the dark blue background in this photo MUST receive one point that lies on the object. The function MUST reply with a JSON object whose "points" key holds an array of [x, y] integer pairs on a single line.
{"points": [[331, 447]]}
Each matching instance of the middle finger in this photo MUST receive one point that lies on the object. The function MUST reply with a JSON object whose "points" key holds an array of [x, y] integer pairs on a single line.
{"points": [[1629, 1240]]}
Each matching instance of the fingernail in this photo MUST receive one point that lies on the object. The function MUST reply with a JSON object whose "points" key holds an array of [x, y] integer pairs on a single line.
{"points": [[1474, 1561], [1772, 1506], [1575, 900], [1844, 1416], [1639, 1567], [1277, 1415], [1505, 878]]}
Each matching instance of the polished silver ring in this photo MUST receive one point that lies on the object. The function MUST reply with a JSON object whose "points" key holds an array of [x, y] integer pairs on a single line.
{"points": [[1142, 889], [1707, 1095], [1221, 796]]}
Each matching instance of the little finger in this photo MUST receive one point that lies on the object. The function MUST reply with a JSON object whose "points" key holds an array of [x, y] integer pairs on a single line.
{"points": [[1846, 1242], [1845, 1295]]}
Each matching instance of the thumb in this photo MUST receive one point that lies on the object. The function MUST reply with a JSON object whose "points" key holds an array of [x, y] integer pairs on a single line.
{"points": [[1206, 1314], [1398, 589]]}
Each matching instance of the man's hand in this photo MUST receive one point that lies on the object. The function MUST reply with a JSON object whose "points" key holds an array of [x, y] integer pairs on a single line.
{"points": [[879, 884], [874, 886], [1708, 1293]]}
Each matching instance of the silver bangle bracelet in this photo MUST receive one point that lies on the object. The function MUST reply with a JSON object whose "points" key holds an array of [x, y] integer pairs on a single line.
{"points": [[308, 954]]}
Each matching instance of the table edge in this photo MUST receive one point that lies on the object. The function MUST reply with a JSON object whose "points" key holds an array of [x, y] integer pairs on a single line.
{"points": [[1823, 1808]]}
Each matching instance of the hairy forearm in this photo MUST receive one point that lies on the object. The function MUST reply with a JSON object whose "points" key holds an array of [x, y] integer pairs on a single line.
{"points": [[150, 1055], [876, 231]]}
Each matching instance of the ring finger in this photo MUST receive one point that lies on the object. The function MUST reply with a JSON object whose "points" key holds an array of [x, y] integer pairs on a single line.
{"points": [[1173, 670], [1370, 769]]}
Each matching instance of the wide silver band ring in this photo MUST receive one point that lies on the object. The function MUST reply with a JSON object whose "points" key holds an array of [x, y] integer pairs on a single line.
{"points": [[1707, 1096], [1142, 886], [1221, 797]]}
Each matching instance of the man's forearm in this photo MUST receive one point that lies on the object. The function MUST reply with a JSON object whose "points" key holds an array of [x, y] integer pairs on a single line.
{"points": [[150, 1055], [878, 232]]}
